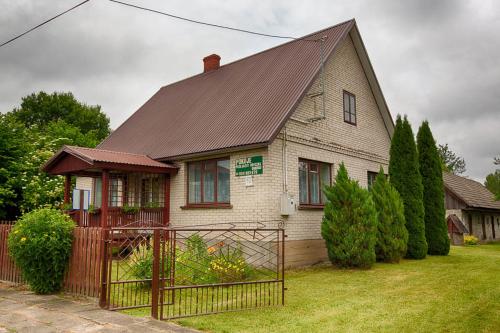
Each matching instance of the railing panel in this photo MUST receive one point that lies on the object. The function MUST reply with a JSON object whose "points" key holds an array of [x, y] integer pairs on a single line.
{"points": [[188, 272]]}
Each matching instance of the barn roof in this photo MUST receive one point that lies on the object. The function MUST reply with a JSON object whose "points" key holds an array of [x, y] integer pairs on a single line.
{"points": [[472, 193], [241, 104]]}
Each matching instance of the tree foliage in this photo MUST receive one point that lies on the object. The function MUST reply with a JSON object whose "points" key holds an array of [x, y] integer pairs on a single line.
{"points": [[392, 236], [436, 229], [31, 134], [492, 183], [451, 162], [42, 109], [349, 223], [40, 244], [405, 177]]}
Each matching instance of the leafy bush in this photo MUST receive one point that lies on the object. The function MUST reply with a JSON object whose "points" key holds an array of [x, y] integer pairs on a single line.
{"points": [[142, 262], [470, 240], [229, 265], [40, 244], [392, 236], [196, 263], [349, 223]]}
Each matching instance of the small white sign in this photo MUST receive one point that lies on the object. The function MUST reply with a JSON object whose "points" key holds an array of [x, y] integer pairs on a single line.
{"points": [[248, 181], [76, 199]]}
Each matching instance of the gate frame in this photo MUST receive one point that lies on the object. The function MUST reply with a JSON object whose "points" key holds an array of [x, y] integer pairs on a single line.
{"points": [[157, 290]]}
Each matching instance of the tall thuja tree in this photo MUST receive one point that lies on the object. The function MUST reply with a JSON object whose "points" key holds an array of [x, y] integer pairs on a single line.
{"points": [[349, 223], [392, 236], [405, 177], [436, 230]]}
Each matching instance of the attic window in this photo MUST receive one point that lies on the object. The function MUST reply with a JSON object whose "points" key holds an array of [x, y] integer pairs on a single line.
{"points": [[349, 108]]}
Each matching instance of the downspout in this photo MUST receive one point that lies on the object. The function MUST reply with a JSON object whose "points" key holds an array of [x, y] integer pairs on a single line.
{"points": [[284, 162]]}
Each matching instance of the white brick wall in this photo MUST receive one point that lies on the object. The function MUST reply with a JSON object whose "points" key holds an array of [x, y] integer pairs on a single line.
{"points": [[362, 148]]}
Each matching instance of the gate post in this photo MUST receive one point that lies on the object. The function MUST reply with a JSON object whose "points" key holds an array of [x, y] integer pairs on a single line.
{"points": [[155, 290], [103, 301]]}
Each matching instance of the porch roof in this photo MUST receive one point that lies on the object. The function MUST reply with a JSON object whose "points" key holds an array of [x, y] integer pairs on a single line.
{"points": [[80, 160]]}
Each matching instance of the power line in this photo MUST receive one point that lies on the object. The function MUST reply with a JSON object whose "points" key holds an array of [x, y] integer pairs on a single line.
{"points": [[43, 23], [201, 22]]}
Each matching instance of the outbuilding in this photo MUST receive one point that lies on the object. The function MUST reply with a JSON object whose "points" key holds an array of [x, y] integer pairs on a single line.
{"points": [[474, 206]]}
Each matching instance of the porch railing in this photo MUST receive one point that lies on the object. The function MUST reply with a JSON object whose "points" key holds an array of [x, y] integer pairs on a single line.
{"points": [[117, 218]]}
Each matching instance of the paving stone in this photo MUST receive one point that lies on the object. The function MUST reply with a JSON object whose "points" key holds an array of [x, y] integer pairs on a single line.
{"points": [[24, 311]]}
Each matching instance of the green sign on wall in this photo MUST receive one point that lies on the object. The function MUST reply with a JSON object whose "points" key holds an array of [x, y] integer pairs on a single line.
{"points": [[249, 166]]}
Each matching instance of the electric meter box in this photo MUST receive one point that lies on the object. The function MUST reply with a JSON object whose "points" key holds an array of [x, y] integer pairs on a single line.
{"points": [[287, 204]]}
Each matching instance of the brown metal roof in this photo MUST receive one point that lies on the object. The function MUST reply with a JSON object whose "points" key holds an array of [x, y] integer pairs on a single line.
{"points": [[91, 158], [244, 103], [472, 193]]}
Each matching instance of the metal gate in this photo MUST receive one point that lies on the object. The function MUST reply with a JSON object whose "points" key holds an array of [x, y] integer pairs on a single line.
{"points": [[180, 272]]}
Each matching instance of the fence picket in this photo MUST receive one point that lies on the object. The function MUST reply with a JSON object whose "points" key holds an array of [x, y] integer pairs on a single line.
{"points": [[83, 273]]}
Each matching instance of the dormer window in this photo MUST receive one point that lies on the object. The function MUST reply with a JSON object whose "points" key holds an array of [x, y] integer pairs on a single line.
{"points": [[349, 108]]}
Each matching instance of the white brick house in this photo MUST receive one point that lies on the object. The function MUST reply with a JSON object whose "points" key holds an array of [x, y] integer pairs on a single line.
{"points": [[302, 115]]}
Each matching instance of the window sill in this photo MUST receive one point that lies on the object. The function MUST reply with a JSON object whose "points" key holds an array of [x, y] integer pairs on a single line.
{"points": [[311, 207], [207, 206]]}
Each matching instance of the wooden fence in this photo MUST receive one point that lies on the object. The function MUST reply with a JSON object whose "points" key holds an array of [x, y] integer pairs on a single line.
{"points": [[83, 276], [8, 271]]}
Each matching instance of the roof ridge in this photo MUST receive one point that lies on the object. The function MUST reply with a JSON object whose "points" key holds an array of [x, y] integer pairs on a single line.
{"points": [[111, 151], [263, 51]]}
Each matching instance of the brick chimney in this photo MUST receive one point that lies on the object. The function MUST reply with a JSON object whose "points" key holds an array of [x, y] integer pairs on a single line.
{"points": [[211, 63]]}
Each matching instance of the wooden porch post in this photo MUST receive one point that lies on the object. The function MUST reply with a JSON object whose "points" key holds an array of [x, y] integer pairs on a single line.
{"points": [[104, 200], [67, 188], [166, 204]]}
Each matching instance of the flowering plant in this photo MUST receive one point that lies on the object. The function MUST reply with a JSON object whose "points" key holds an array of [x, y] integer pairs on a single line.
{"points": [[40, 244]]}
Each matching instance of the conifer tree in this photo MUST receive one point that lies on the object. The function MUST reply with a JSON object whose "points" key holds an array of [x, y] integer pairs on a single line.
{"points": [[392, 236], [349, 223], [405, 177], [436, 230]]}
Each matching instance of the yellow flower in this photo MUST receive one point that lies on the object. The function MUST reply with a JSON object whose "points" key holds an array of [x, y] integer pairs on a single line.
{"points": [[211, 249], [16, 231], [23, 239]]}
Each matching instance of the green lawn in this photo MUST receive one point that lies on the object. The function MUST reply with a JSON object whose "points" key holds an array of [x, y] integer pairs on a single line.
{"points": [[457, 293]]}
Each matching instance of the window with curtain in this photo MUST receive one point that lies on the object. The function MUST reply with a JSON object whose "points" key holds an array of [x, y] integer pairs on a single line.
{"points": [[208, 182], [371, 178], [313, 177], [115, 192], [349, 108]]}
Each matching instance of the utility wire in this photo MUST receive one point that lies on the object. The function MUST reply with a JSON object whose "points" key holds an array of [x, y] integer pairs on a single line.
{"points": [[201, 22], [43, 23]]}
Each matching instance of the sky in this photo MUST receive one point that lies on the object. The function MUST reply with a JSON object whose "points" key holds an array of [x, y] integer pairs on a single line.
{"points": [[435, 60]]}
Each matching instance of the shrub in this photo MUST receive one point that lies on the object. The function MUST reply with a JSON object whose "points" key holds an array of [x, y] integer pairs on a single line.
{"points": [[40, 244], [436, 229], [405, 176], [229, 265], [470, 240], [392, 236], [349, 223], [196, 263], [141, 260]]}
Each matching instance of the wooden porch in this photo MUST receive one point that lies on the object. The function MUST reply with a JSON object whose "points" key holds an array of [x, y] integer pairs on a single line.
{"points": [[126, 188]]}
